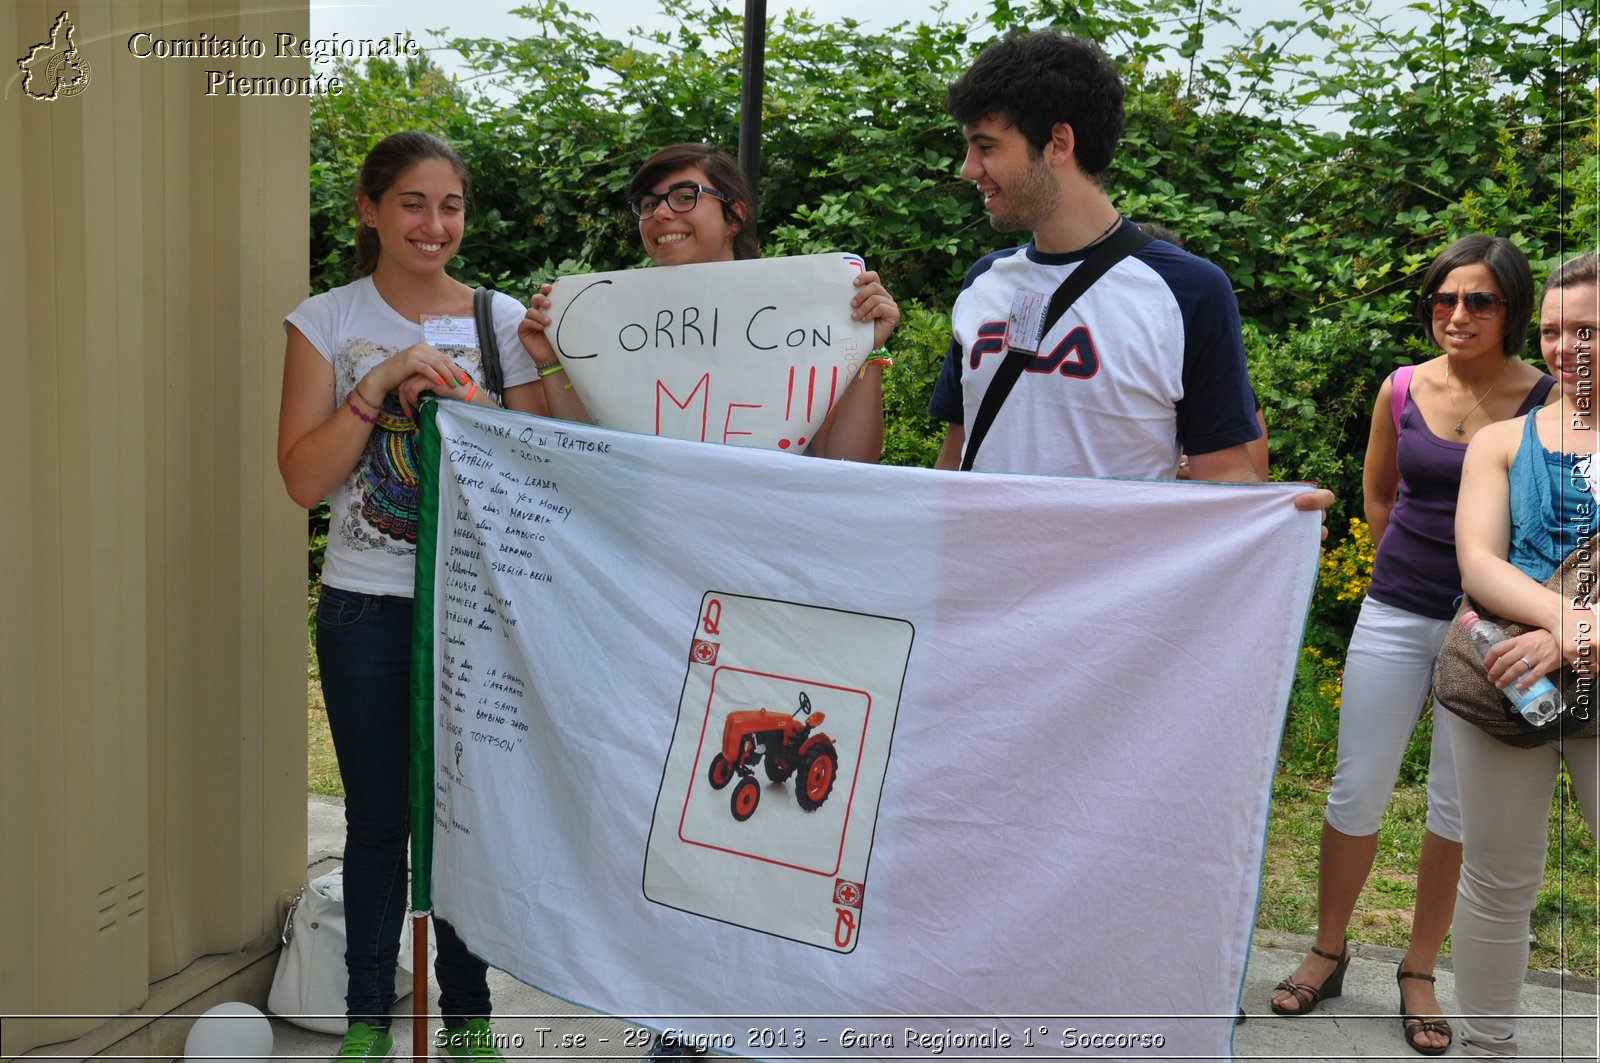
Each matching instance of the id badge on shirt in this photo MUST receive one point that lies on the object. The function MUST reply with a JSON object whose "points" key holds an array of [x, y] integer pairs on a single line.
{"points": [[442, 330], [1025, 326]]}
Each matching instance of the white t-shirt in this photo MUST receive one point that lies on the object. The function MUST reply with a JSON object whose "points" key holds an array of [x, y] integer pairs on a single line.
{"points": [[372, 534], [1148, 360]]}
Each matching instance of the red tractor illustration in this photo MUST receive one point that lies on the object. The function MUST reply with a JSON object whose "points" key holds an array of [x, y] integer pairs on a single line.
{"points": [[790, 744]]}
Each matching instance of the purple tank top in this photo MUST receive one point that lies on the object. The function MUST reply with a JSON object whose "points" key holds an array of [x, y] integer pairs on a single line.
{"points": [[1415, 568]]}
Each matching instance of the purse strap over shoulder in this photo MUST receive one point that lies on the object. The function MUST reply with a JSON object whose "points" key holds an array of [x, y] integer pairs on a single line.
{"points": [[1399, 388], [488, 344]]}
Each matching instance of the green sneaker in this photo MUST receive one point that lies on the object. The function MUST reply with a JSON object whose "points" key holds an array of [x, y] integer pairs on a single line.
{"points": [[473, 1043], [365, 1042]]}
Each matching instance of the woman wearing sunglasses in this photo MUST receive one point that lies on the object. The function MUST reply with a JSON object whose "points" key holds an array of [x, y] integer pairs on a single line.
{"points": [[693, 205], [1527, 501], [1477, 297]]}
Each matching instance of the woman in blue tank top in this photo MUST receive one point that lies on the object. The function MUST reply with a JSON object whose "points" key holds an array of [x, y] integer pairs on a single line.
{"points": [[1477, 297], [1527, 501]]}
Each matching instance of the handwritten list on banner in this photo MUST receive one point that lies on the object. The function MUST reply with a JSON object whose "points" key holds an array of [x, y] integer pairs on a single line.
{"points": [[491, 570], [754, 353]]}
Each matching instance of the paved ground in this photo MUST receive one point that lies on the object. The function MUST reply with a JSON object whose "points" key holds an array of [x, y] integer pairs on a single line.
{"points": [[1559, 1023]]}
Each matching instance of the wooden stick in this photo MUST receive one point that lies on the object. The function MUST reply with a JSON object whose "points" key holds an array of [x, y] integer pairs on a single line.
{"points": [[419, 987]]}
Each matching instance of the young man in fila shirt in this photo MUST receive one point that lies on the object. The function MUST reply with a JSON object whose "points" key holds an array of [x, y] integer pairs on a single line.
{"points": [[1147, 363]]}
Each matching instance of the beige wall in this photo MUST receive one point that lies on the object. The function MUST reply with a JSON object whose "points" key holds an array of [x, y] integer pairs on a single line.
{"points": [[152, 638]]}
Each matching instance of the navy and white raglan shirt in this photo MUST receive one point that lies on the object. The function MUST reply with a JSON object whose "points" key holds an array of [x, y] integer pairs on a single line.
{"points": [[1145, 364]]}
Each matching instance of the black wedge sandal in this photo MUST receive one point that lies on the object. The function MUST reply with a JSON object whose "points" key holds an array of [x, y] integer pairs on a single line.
{"points": [[1310, 996], [1412, 1025]]}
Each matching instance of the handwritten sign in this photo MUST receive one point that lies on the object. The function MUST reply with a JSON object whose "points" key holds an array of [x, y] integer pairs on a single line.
{"points": [[754, 353]]}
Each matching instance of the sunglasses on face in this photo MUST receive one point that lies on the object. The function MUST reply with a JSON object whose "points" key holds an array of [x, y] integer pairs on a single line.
{"points": [[681, 198], [1479, 304]]}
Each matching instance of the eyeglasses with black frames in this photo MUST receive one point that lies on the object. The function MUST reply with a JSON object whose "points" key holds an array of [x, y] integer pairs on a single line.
{"points": [[1479, 304], [681, 198]]}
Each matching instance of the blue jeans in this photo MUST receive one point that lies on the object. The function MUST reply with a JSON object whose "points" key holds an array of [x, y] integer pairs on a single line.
{"points": [[364, 653]]}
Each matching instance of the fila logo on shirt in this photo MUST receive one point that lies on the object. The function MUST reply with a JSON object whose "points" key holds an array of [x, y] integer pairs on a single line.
{"points": [[1074, 356]]}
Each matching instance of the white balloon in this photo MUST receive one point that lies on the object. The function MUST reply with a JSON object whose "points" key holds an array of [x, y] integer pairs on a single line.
{"points": [[228, 1033]]}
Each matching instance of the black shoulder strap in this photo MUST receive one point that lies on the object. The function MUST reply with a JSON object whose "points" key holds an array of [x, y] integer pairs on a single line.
{"points": [[488, 346], [1125, 241]]}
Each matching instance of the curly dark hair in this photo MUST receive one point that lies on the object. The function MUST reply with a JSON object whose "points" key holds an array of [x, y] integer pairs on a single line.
{"points": [[1037, 80]]}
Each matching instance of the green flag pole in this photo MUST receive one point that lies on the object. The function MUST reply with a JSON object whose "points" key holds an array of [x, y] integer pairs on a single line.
{"points": [[423, 695]]}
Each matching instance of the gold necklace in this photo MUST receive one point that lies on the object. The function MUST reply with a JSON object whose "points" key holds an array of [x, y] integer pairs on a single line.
{"points": [[1462, 419]]}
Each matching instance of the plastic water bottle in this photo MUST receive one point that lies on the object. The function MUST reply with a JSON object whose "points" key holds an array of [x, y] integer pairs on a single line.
{"points": [[1540, 703]]}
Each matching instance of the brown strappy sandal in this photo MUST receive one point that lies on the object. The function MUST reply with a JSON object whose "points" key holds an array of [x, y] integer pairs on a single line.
{"points": [[1412, 1025], [1310, 996]]}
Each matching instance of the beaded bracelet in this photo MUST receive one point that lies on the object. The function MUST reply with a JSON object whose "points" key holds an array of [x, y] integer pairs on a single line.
{"points": [[351, 403]]}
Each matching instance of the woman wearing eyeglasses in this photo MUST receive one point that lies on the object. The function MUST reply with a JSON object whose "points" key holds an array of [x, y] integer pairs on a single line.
{"points": [[693, 205], [1477, 297]]}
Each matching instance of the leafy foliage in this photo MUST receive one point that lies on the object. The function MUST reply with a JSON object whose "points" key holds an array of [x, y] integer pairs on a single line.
{"points": [[1316, 386], [911, 434]]}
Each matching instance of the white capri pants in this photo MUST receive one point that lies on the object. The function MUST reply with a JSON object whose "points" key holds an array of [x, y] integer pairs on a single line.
{"points": [[1387, 673], [1505, 797]]}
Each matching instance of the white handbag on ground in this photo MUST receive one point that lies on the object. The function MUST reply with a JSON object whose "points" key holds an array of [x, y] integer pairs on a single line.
{"points": [[309, 986]]}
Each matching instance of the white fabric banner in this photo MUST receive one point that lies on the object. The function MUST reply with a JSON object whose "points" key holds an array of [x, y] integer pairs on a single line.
{"points": [[723, 732], [752, 353]]}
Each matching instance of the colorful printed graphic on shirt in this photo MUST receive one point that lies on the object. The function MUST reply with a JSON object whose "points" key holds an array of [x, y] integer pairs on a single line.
{"points": [[387, 475], [376, 508]]}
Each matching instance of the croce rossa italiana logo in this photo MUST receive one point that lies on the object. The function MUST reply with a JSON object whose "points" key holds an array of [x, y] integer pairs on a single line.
{"points": [[54, 69]]}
